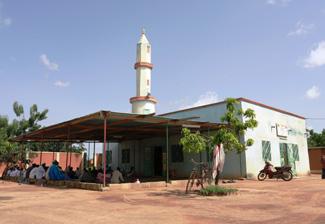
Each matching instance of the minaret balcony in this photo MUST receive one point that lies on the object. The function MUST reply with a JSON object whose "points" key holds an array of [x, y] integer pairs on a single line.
{"points": [[144, 98], [143, 64]]}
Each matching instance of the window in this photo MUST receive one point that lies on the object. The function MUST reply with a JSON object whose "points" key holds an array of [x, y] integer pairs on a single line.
{"points": [[126, 156], [266, 150], [177, 154], [148, 49], [109, 156], [295, 152]]}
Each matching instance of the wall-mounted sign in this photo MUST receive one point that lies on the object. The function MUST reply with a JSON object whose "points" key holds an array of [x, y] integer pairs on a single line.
{"points": [[281, 130]]}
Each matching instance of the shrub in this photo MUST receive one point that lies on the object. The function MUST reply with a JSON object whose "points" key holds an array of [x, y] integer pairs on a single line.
{"points": [[212, 190]]}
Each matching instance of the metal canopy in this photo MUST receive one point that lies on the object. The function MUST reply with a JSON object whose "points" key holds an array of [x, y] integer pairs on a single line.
{"points": [[120, 127]]}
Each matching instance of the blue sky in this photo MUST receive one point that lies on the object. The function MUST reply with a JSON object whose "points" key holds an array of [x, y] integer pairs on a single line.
{"points": [[76, 57]]}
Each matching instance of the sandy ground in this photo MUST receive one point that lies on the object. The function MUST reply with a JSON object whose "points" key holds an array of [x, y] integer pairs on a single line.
{"points": [[299, 201]]}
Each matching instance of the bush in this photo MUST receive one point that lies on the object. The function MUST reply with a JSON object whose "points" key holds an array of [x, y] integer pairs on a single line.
{"points": [[217, 190]]}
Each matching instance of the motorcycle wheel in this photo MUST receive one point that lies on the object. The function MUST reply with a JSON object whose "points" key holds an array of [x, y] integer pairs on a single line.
{"points": [[261, 176], [287, 176]]}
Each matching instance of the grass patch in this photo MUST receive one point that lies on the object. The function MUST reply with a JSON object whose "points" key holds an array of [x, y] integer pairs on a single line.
{"points": [[212, 190]]}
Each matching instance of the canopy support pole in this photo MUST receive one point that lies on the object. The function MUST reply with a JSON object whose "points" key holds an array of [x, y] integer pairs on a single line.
{"points": [[41, 155], [66, 148], [70, 158], [88, 152], [94, 155], [167, 155], [104, 153]]}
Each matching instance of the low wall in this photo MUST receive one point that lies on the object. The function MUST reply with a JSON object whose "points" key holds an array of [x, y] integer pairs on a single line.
{"points": [[315, 155], [64, 159], [62, 183]]}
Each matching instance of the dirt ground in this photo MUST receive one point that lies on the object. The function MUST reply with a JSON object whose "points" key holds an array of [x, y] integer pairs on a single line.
{"points": [[299, 201]]}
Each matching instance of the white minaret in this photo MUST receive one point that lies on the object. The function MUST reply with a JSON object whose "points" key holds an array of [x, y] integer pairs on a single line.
{"points": [[143, 102]]}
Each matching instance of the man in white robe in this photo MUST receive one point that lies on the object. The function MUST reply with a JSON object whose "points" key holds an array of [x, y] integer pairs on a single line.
{"points": [[218, 162]]}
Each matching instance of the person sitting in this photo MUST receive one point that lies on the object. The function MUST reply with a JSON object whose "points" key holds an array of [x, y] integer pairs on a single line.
{"points": [[13, 172], [78, 173], [29, 169], [22, 176], [9, 171], [40, 172], [131, 175], [87, 176], [32, 174], [100, 176], [69, 172], [47, 176], [117, 176], [55, 173]]}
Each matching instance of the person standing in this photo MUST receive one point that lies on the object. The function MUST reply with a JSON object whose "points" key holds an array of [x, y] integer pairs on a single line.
{"points": [[323, 166]]}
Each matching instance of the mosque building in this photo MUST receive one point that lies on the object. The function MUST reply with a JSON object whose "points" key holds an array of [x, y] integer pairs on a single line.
{"points": [[150, 143], [280, 137]]}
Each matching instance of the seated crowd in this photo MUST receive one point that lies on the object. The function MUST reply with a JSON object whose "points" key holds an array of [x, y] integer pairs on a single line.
{"points": [[55, 172]]}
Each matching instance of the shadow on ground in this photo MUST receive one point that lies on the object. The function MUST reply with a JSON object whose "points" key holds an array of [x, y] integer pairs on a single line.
{"points": [[174, 193], [6, 198]]}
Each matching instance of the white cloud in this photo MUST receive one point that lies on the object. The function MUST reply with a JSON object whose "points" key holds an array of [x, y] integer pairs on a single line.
{"points": [[48, 64], [301, 29], [61, 84], [207, 98], [313, 93], [316, 56], [278, 2], [4, 21]]}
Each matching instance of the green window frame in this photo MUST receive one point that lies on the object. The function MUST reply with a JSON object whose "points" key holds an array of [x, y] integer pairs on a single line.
{"points": [[295, 152], [266, 150], [126, 156]]}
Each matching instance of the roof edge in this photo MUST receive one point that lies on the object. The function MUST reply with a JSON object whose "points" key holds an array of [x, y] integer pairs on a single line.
{"points": [[241, 99]]}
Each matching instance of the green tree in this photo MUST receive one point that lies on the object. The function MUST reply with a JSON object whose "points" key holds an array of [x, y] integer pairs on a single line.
{"points": [[316, 139], [235, 123], [5, 145], [10, 151]]}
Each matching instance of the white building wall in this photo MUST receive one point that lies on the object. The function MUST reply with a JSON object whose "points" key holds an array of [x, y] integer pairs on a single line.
{"points": [[266, 130], [114, 148], [234, 162]]}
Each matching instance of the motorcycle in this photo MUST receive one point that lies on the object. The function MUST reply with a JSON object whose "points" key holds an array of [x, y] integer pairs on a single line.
{"points": [[283, 172]]}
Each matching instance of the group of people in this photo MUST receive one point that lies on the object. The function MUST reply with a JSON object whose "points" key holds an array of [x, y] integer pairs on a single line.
{"points": [[92, 175], [55, 172], [42, 172]]}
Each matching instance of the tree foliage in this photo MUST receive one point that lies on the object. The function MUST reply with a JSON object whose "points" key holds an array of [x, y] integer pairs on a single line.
{"points": [[316, 139], [235, 123], [193, 142], [10, 151], [20, 125]]}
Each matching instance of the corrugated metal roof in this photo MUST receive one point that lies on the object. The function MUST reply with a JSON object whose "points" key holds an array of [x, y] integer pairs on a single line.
{"points": [[120, 127]]}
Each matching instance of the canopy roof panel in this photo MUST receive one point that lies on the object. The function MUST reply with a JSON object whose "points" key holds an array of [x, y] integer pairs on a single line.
{"points": [[120, 127]]}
